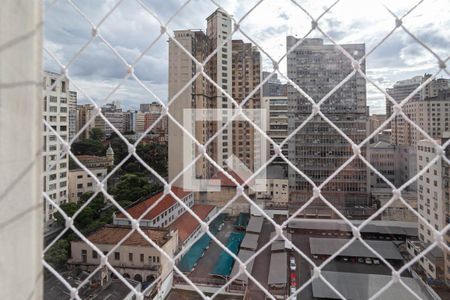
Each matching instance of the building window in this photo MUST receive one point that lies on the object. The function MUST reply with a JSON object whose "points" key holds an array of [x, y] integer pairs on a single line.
{"points": [[130, 256], [117, 255], [94, 254], [142, 257]]}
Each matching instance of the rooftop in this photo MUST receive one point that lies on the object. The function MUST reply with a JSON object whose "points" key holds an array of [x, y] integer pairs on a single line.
{"points": [[250, 241], [278, 269], [225, 181], [243, 255], [375, 226], [186, 223], [113, 234], [255, 224], [329, 246], [139, 207], [368, 285]]}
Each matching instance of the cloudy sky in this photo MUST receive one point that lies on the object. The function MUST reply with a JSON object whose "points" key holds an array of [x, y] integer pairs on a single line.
{"points": [[130, 29]]}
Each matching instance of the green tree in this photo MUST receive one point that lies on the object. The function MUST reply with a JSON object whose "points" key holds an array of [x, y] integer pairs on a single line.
{"points": [[130, 188], [88, 147], [96, 134], [58, 254]]}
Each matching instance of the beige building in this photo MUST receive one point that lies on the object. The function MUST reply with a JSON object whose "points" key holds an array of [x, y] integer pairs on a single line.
{"points": [[246, 76], [277, 185], [56, 166], [226, 193], [431, 191], [277, 116], [428, 109], [375, 121], [84, 114], [135, 258], [81, 182]]}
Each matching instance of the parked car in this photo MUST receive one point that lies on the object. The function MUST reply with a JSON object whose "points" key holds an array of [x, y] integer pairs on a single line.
{"points": [[293, 279], [292, 264], [293, 289], [368, 261], [360, 260], [376, 261]]}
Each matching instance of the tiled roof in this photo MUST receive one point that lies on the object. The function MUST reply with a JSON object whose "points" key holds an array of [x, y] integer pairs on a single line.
{"points": [[225, 181], [186, 223], [113, 234], [139, 208]]}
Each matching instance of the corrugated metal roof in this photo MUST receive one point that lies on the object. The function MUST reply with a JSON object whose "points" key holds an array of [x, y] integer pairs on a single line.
{"points": [[250, 241], [325, 246], [278, 269], [367, 285], [255, 224], [243, 255]]}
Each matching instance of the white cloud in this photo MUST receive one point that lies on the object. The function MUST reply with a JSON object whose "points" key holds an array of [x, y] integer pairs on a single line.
{"points": [[130, 29]]}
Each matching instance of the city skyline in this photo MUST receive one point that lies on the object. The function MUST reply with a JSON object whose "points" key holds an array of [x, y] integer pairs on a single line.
{"points": [[98, 70]]}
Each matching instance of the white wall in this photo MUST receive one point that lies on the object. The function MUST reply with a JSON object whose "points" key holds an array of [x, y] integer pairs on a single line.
{"points": [[20, 156]]}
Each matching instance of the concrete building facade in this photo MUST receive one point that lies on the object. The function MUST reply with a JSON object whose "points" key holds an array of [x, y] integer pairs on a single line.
{"points": [[318, 150], [56, 166], [135, 258]]}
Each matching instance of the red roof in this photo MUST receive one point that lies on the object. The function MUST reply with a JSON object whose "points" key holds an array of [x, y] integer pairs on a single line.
{"points": [[186, 223], [225, 181], [138, 209]]}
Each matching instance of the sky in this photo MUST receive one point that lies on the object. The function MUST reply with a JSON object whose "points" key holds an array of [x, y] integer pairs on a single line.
{"points": [[130, 29]]}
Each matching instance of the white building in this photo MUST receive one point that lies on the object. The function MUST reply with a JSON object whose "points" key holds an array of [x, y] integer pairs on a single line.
{"points": [[430, 191], [56, 113], [163, 214], [72, 114]]}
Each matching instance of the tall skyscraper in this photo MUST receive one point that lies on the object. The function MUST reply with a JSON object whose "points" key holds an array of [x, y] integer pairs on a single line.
{"points": [[318, 150], [72, 114], [246, 76], [201, 94], [218, 29], [56, 113]]}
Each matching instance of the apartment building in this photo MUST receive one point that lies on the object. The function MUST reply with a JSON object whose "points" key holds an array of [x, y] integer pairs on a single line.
{"points": [[318, 150], [72, 114], [273, 87], [84, 114], [56, 113], [246, 76], [134, 258], [277, 116], [114, 114], [431, 191], [218, 29], [426, 108], [375, 121]]}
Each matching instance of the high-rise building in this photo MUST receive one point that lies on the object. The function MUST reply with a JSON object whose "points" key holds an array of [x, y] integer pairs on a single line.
{"points": [[318, 149], [218, 29], [153, 107], [433, 203], [84, 115], [402, 131], [273, 87], [246, 76], [72, 114], [114, 114], [201, 94], [56, 113], [277, 116], [130, 121]]}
